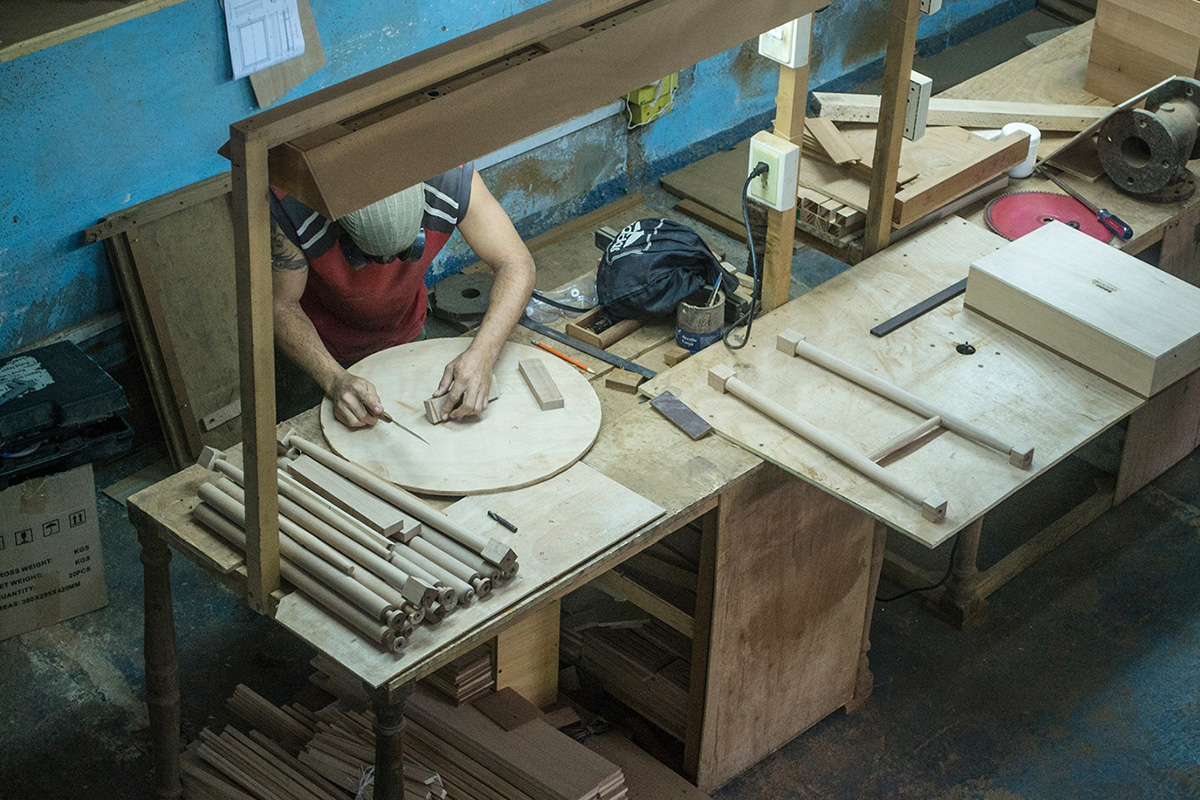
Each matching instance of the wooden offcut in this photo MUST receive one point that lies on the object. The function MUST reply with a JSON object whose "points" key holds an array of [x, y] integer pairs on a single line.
{"points": [[864, 108], [1134, 324], [580, 329], [928, 193], [375, 513], [544, 389], [1137, 43], [623, 380]]}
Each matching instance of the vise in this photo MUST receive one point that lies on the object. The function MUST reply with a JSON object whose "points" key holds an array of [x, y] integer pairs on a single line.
{"points": [[1144, 151]]}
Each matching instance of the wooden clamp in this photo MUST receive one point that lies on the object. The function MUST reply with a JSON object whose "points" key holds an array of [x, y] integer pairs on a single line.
{"points": [[794, 344], [724, 379]]}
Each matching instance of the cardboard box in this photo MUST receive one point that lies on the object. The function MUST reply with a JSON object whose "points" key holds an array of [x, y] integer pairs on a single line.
{"points": [[51, 567], [1120, 317]]}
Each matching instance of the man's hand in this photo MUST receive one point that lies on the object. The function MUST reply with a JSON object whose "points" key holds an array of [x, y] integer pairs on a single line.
{"points": [[355, 401], [466, 385]]}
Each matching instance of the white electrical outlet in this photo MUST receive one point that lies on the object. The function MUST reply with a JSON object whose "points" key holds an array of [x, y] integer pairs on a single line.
{"points": [[930, 7], [776, 189], [788, 44], [920, 90]]}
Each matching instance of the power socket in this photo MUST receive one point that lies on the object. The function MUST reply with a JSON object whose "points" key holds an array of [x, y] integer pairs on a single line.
{"points": [[776, 189], [789, 43], [916, 110]]}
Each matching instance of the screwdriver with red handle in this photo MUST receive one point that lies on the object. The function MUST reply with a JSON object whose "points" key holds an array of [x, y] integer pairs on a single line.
{"points": [[1108, 219]]}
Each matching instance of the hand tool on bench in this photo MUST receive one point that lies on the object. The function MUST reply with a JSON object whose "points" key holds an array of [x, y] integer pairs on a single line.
{"points": [[386, 417], [595, 352], [1108, 219]]}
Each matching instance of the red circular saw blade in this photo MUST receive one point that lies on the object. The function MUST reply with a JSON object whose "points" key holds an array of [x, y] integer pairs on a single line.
{"points": [[1015, 214]]}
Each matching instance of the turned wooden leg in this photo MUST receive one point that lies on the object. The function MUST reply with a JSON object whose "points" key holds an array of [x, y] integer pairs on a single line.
{"points": [[864, 681], [961, 603], [162, 666], [389, 741]]}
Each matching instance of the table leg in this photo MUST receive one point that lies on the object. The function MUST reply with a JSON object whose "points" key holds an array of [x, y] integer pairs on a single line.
{"points": [[960, 603], [162, 665], [864, 681], [389, 740]]}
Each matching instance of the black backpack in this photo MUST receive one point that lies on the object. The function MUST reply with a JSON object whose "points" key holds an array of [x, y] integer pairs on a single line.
{"points": [[651, 266]]}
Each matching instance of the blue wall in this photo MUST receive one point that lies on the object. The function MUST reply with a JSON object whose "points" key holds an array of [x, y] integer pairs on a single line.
{"points": [[100, 123]]}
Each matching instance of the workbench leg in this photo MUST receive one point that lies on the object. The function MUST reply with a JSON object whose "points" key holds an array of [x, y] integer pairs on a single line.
{"points": [[1180, 254], [162, 665], [527, 656], [864, 682], [1159, 435], [961, 604], [389, 740]]}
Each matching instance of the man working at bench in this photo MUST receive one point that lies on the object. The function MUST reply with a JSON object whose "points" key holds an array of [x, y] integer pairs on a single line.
{"points": [[346, 289]]}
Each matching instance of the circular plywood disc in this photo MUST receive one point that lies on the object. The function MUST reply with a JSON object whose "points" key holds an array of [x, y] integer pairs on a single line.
{"points": [[512, 444]]}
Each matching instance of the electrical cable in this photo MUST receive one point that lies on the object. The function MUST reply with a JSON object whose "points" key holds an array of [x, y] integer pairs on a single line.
{"points": [[747, 319], [946, 577]]}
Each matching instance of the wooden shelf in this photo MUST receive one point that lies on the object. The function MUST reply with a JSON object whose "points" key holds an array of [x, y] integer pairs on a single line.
{"points": [[27, 26]]}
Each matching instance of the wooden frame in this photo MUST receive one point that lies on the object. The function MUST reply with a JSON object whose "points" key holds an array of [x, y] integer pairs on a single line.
{"points": [[599, 48]]}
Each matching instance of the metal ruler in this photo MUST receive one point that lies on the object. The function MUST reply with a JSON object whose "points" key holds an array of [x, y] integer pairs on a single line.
{"points": [[595, 352]]}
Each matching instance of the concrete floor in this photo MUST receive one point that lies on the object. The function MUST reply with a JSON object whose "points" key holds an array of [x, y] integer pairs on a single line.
{"points": [[1080, 683]]}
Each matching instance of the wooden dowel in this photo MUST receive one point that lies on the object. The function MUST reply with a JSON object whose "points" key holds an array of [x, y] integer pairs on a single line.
{"points": [[445, 594], [918, 431], [497, 552], [481, 584], [794, 343], [723, 379], [333, 516], [300, 559], [460, 553], [464, 591]]}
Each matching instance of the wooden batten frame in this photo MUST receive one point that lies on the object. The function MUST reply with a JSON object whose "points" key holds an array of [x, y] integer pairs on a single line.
{"points": [[684, 32]]}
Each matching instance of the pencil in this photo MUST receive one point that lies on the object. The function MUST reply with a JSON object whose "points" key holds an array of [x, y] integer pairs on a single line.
{"points": [[564, 357]]}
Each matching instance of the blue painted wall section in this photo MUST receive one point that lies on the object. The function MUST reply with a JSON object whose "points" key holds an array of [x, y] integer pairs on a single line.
{"points": [[100, 123]]}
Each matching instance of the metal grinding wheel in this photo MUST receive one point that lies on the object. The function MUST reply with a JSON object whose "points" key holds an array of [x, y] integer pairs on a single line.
{"points": [[1144, 151], [1015, 214]]}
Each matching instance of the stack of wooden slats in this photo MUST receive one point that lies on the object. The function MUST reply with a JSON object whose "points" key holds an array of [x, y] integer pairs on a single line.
{"points": [[646, 668], [480, 760], [466, 677], [824, 215], [291, 753]]}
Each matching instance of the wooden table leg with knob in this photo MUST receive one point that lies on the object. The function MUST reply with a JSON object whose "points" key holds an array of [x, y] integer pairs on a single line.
{"points": [[389, 740], [162, 666]]}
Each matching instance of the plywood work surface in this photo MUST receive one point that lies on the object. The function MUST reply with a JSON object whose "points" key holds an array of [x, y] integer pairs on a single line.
{"points": [[513, 443], [1010, 386], [561, 523]]}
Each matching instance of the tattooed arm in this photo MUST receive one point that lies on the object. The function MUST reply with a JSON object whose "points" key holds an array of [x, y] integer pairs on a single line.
{"points": [[355, 400]]}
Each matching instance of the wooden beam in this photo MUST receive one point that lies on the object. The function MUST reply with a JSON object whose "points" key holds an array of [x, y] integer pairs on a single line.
{"points": [[256, 344], [638, 45], [902, 38], [647, 601], [926, 195], [781, 225], [864, 108]]}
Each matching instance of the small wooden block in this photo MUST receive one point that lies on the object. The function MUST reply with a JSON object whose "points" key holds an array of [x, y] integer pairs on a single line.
{"points": [[933, 508], [1021, 456], [544, 389], [623, 381], [432, 405], [500, 554], [719, 375], [676, 355], [787, 341]]}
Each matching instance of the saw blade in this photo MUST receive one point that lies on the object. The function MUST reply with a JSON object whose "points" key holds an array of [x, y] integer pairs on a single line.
{"points": [[1015, 214]]}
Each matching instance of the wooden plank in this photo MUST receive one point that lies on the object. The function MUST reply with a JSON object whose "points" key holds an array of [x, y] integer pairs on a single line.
{"points": [[646, 777], [1137, 44], [527, 656], [646, 600], [831, 140], [816, 625], [776, 263], [965, 113], [32, 25], [274, 82], [374, 512], [638, 47], [732, 228], [901, 40], [1098, 306], [926, 194], [507, 708]]}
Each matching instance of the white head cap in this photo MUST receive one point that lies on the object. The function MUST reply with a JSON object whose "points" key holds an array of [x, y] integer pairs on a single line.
{"points": [[389, 226]]}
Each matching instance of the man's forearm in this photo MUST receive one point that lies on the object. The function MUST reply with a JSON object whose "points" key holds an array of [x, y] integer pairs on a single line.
{"points": [[510, 292], [299, 341]]}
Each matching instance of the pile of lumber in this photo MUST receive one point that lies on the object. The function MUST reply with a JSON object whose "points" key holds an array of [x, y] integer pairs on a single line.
{"points": [[647, 668], [291, 753], [369, 553], [466, 677], [479, 759], [826, 216]]}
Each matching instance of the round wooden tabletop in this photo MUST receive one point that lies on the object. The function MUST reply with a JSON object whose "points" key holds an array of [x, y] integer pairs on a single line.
{"points": [[512, 444]]}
